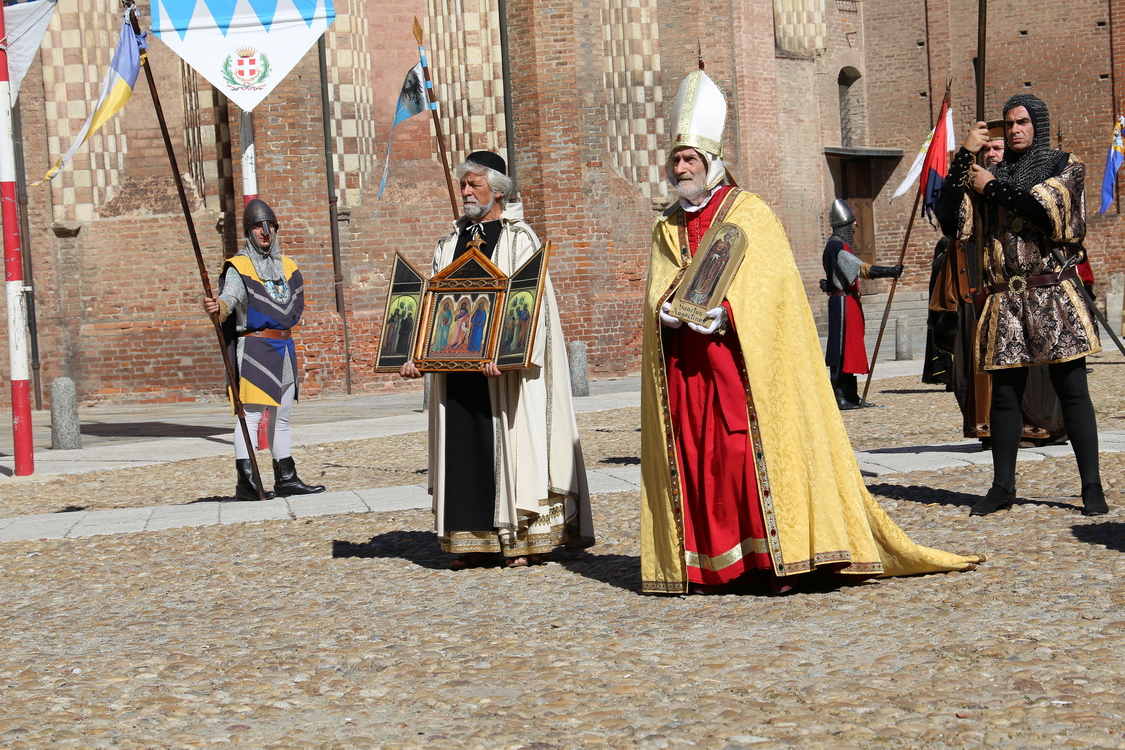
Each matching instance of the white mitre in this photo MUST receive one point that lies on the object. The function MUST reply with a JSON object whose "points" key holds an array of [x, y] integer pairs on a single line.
{"points": [[699, 115]]}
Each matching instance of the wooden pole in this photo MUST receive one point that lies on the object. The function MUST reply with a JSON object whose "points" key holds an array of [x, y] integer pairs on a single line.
{"points": [[891, 296], [902, 253], [232, 382], [333, 218], [982, 49], [437, 120]]}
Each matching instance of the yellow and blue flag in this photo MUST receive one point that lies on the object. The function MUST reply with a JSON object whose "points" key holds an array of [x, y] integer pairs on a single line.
{"points": [[1112, 163], [116, 90]]}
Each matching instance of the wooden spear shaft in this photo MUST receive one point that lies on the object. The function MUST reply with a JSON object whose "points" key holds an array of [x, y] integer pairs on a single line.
{"points": [[437, 120], [891, 296], [231, 380]]}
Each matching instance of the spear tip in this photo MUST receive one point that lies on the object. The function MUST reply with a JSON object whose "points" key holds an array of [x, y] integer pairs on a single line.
{"points": [[418, 31]]}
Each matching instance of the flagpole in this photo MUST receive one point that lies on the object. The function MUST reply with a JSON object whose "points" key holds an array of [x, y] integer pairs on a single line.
{"points": [[249, 162], [437, 120], [13, 277], [891, 296], [982, 48], [906, 243], [232, 382], [330, 172]]}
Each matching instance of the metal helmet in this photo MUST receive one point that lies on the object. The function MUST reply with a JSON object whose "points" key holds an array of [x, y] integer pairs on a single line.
{"points": [[840, 213], [256, 212]]}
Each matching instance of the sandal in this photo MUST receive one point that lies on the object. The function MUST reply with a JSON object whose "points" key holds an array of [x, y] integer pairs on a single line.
{"points": [[524, 561], [471, 560]]}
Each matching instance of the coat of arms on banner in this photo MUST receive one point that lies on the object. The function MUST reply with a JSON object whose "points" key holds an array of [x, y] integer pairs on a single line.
{"points": [[246, 70], [243, 48]]}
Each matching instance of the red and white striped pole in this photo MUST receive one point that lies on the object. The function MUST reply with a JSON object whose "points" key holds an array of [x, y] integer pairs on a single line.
{"points": [[249, 193], [13, 276]]}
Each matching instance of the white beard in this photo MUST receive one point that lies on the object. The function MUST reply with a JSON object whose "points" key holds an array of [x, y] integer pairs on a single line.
{"points": [[475, 211], [691, 190]]}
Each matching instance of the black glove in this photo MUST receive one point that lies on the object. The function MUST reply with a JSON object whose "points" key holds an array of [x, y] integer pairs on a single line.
{"points": [[885, 272], [824, 285]]}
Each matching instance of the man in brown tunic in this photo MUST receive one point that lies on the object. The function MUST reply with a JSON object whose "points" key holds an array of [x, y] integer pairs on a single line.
{"points": [[1034, 219]]}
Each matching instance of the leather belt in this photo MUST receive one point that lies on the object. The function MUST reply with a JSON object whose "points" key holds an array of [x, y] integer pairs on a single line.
{"points": [[838, 293], [1020, 284], [270, 333]]}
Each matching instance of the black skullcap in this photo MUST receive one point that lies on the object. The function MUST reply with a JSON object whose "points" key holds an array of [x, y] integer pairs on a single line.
{"points": [[488, 159]]}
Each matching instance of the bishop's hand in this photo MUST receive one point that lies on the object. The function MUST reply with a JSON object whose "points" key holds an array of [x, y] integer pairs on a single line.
{"points": [[666, 320], [718, 316]]}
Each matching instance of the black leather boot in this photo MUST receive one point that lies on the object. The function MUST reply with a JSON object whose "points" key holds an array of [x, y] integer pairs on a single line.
{"points": [[997, 498], [1093, 500], [286, 482], [850, 384], [841, 399], [246, 489]]}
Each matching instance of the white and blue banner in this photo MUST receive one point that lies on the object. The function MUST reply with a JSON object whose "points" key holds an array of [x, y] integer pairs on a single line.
{"points": [[25, 24], [243, 47]]}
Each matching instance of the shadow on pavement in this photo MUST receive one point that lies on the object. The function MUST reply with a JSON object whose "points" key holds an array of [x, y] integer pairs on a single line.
{"points": [[419, 547], [1109, 533], [974, 447], [915, 493], [151, 430], [619, 571], [931, 496], [214, 499]]}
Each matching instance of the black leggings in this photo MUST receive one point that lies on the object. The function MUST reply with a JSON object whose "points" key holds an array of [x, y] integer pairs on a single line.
{"points": [[1069, 381]]}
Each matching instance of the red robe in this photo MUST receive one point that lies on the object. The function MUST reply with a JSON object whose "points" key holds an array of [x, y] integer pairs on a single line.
{"points": [[708, 397]]}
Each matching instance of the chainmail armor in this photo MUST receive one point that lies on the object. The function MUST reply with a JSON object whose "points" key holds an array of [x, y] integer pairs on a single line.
{"points": [[845, 232], [1037, 163]]}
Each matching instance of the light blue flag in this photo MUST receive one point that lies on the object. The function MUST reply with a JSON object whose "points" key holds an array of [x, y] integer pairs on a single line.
{"points": [[412, 100], [1112, 163]]}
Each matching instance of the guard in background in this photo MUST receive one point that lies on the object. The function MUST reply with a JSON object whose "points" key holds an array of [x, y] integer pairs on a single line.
{"points": [[846, 355], [265, 292]]}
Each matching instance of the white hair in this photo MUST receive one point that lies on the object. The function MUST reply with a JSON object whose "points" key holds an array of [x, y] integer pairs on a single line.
{"points": [[499, 183]]}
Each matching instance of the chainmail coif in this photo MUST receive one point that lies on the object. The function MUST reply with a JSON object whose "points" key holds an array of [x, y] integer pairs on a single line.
{"points": [[1037, 163], [846, 232]]}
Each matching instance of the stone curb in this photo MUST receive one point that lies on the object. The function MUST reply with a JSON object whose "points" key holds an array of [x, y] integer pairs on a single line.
{"points": [[618, 479]]}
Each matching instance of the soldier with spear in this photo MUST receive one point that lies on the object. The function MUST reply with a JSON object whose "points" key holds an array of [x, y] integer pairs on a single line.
{"points": [[261, 299]]}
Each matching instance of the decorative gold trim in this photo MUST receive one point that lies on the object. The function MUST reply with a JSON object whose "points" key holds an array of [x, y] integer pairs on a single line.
{"points": [[664, 587], [716, 563], [701, 142]]}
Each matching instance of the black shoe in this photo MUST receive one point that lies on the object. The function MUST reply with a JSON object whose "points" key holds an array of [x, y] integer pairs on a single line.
{"points": [[1093, 501], [997, 498], [286, 482], [246, 489], [842, 400]]}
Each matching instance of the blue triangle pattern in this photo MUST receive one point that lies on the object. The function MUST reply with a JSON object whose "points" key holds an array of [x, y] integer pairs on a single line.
{"points": [[307, 9], [265, 9], [180, 13], [223, 12]]}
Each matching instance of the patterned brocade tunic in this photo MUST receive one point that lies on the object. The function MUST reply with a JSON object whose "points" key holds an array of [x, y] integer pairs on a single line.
{"points": [[1042, 324]]}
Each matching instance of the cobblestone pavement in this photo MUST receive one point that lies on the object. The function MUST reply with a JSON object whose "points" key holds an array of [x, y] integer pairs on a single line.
{"points": [[348, 631]]}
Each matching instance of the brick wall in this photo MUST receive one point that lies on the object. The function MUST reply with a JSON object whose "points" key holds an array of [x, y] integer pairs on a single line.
{"points": [[118, 294], [1060, 53]]}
